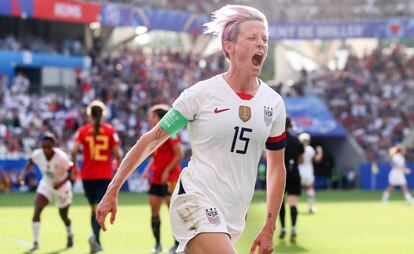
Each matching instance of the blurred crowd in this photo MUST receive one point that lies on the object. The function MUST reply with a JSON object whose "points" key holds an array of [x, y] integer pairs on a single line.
{"points": [[129, 83], [372, 97], [66, 47]]}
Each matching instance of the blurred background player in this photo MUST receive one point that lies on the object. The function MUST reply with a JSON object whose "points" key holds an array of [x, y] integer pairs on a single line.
{"points": [[307, 175], [293, 157], [165, 168], [54, 185], [396, 176], [100, 145]]}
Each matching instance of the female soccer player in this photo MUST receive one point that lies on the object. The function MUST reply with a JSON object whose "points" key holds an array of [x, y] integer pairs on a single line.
{"points": [[165, 166], [232, 118], [100, 146], [396, 176], [54, 186], [307, 175]]}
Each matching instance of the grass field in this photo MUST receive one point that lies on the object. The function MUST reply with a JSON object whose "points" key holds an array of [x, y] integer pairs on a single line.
{"points": [[346, 223]]}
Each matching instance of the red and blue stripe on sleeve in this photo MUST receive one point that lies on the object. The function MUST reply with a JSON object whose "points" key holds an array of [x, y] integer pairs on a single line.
{"points": [[276, 143]]}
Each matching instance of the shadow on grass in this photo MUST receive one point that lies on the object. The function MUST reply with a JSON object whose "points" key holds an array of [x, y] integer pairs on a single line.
{"points": [[62, 250], [283, 247]]}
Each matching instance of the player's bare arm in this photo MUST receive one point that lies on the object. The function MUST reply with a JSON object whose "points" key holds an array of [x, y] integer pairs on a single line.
{"points": [[74, 155], [276, 178], [24, 172], [138, 153]]}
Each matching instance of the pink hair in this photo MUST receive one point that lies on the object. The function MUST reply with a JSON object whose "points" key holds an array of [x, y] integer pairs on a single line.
{"points": [[226, 21]]}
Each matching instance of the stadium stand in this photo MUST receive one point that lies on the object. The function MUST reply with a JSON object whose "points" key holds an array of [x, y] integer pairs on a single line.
{"points": [[369, 98]]}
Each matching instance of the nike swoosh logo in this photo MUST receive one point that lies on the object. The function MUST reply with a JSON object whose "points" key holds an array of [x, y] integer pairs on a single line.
{"points": [[216, 110]]}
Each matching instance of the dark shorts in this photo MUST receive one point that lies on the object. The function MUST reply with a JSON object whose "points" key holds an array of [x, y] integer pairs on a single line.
{"points": [[293, 186], [159, 190], [95, 190], [162, 190]]}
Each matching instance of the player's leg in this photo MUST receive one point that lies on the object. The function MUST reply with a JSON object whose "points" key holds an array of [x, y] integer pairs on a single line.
{"points": [[310, 194], [407, 194], [63, 212], [94, 191], [63, 199], [210, 243], [386, 194], [292, 201], [282, 215], [41, 202], [155, 202]]}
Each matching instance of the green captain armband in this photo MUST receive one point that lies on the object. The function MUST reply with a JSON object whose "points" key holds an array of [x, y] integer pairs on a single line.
{"points": [[173, 122]]}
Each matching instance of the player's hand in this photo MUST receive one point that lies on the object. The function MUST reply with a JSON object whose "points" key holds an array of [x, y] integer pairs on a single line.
{"points": [[164, 177], [59, 184], [108, 204], [21, 180], [263, 241]]}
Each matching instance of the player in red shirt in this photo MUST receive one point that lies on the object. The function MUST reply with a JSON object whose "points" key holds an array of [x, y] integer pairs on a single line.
{"points": [[100, 146], [165, 167]]}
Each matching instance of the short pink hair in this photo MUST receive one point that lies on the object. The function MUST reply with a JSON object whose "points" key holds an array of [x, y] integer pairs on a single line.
{"points": [[226, 21]]}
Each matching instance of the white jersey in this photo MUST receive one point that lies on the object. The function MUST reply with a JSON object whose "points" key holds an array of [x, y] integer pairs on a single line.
{"points": [[307, 165], [54, 170], [228, 135], [398, 162], [396, 176]]}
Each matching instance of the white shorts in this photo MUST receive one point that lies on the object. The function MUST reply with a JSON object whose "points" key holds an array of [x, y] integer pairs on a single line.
{"points": [[191, 215], [396, 178], [62, 196], [306, 177]]}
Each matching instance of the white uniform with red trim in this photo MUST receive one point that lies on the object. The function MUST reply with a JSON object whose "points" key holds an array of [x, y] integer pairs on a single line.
{"points": [[54, 171], [396, 176], [227, 135]]}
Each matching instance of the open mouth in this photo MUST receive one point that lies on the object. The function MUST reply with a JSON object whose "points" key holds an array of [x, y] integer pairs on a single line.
{"points": [[257, 59]]}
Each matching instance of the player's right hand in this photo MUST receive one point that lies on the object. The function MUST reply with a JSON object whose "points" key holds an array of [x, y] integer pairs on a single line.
{"points": [[108, 204]]}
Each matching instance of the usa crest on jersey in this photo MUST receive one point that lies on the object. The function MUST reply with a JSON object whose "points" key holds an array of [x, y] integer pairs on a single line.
{"points": [[212, 216], [245, 113], [268, 115]]}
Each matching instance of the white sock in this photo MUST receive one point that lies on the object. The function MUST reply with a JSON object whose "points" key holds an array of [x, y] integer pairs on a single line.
{"points": [[294, 229], [69, 230], [408, 197], [35, 230], [311, 197], [385, 196]]}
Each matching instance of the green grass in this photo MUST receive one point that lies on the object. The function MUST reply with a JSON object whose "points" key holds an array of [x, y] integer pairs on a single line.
{"points": [[346, 223]]}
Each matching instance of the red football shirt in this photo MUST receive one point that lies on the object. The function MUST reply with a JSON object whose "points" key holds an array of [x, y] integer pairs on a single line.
{"points": [[162, 157], [97, 151]]}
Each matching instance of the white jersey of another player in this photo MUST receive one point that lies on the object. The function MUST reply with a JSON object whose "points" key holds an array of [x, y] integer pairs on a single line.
{"points": [[306, 167], [228, 134], [396, 175], [56, 169]]}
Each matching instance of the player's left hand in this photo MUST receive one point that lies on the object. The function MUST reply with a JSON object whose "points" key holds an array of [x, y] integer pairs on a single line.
{"points": [[108, 204], [264, 240]]}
